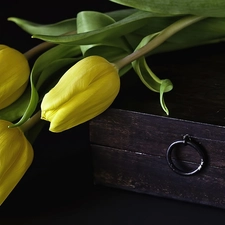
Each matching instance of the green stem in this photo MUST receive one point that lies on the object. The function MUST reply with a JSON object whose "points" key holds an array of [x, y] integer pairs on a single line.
{"points": [[38, 49], [42, 47], [31, 122], [159, 39]]}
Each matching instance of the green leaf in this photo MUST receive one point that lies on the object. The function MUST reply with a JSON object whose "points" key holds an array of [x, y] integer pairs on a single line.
{"points": [[208, 8], [209, 30], [55, 29], [204, 31], [88, 21], [64, 26], [16, 110], [166, 85], [31, 106], [103, 35], [151, 81], [148, 78], [121, 13]]}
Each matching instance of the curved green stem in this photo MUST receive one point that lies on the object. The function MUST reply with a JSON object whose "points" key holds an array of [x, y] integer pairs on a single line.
{"points": [[159, 39], [38, 49], [42, 47]]}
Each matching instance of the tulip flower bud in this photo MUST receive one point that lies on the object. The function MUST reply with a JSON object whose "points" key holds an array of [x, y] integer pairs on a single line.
{"points": [[87, 89], [14, 75], [16, 155]]}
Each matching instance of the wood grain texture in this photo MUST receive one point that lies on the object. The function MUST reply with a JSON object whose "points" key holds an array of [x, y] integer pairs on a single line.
{"points": [[151, 175], [151, 134]]}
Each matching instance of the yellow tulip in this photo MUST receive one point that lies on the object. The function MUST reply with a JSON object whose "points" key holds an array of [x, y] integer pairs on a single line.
{"points": [[16, 155], [14, 75], [87, 89]]}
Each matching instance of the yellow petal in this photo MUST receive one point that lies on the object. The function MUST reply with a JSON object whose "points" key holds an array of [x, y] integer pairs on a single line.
{"points": [[84, 106], [13, 97], [74, 101], [14, 75], [16, 155], [77, 79]]}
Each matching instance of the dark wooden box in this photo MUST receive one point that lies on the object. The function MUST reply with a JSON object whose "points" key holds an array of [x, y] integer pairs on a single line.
{"points": [[129, 141]]}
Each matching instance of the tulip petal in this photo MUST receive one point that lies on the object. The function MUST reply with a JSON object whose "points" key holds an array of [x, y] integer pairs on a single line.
{"points": [[16, 155], [14, 75], [14, 96], [76, 80], [83, 107], [83, 92]]}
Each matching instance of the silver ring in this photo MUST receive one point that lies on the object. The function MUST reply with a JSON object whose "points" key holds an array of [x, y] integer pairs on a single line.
{"points": [[186, 141]]}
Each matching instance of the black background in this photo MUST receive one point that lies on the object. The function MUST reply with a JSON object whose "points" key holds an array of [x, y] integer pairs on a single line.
{"points": [[58, 187]]}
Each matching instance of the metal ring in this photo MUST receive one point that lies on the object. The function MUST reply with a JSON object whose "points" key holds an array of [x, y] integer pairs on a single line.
{"points": [[186, 141]]}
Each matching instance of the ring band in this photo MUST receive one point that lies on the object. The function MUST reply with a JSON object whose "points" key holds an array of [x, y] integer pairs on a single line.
{"points": [[186, 141]]}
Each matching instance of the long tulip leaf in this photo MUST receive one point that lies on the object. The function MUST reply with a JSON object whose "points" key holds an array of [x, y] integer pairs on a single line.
{"points": [[58, 28], [121, 13], [209, 30], [208, 8], [151, 81], [148, 78], [64, 26], [117, 29], [30, 108]]}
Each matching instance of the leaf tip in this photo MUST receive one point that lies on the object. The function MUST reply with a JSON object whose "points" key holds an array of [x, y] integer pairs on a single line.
{"points": [[10, 19]]}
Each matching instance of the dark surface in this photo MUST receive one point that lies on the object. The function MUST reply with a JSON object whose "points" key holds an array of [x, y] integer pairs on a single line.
{"points": [[58, 188]]}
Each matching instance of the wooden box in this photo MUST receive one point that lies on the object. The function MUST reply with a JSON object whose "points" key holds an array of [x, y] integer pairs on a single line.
{"points": [[130, 140]]}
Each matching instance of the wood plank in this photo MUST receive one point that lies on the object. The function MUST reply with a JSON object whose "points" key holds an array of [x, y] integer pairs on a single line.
{"points": [[150, 174], [151, 134]]}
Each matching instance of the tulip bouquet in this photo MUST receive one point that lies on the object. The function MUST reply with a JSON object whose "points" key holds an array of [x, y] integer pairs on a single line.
{"points": [[77, 68]]}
